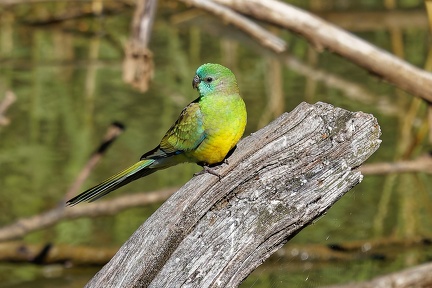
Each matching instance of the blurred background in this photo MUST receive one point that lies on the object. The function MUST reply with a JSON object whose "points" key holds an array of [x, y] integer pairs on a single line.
{"points": [[61, 69]]}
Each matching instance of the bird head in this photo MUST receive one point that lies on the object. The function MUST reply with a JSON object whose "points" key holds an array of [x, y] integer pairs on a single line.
{"points": [[214, 78]]}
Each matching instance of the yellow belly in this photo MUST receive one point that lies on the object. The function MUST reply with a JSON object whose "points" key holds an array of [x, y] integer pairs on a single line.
{"points": [[214, 148]]}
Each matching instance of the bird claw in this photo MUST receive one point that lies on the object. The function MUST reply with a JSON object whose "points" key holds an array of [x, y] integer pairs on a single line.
{"points": [[207, 169]]}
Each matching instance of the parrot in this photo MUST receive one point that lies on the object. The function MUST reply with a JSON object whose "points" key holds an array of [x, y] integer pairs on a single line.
{"points": [[206, 131]]}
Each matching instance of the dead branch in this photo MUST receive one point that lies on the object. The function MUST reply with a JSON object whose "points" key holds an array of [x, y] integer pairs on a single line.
{"points": [[420, 164], [213, 233], [325, 35], [102, 208]]}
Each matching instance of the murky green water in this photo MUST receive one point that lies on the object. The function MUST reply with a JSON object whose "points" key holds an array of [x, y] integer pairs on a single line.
{"points": [[68, 81]]}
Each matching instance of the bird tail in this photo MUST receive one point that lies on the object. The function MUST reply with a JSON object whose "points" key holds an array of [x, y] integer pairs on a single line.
{"points": [[138, 170]]}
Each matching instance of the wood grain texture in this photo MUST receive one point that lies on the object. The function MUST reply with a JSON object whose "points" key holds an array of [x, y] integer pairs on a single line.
{"points": [[213, 233]]}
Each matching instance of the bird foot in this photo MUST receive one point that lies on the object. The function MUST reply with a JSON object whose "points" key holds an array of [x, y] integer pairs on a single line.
{"points": [[207, 169]]}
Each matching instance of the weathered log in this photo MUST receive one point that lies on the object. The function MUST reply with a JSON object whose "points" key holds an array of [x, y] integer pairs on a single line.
{"points": [[213, 232]]}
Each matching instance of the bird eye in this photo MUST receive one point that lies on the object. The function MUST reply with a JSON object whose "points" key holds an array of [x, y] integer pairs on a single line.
{"points": [[209, 79]]}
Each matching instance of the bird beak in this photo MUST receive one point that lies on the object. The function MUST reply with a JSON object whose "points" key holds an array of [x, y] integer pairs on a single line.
{"points": [[196, 80]]}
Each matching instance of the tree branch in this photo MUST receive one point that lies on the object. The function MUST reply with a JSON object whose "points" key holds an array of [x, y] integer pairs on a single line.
{"points": [[213, 233], [101, 208], [421, 164], [325, 35]]}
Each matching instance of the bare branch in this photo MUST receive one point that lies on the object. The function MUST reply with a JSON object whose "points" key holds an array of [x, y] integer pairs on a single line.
{"points": [[101, 208], [421, 164], [325, 35]]}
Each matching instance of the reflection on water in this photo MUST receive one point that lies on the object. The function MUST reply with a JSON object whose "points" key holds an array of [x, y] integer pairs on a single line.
{"points": [[67, 79]]}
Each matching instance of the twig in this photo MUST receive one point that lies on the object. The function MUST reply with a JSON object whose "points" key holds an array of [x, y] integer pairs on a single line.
{"points": [[109, 207]]}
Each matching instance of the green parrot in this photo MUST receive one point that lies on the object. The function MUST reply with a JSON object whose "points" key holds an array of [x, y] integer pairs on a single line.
{"points": [[205, 132]]}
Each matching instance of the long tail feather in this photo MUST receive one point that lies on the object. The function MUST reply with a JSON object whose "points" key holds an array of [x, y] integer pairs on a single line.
{"points": [[134, 172]]}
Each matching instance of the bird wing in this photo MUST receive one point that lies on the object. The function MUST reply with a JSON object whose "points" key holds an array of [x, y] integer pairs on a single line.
{"points": [[187, 132], [185, 135]]}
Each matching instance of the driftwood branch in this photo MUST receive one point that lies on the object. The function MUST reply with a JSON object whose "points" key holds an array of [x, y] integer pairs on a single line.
{"points": [[213, 233], [325, 35]]}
